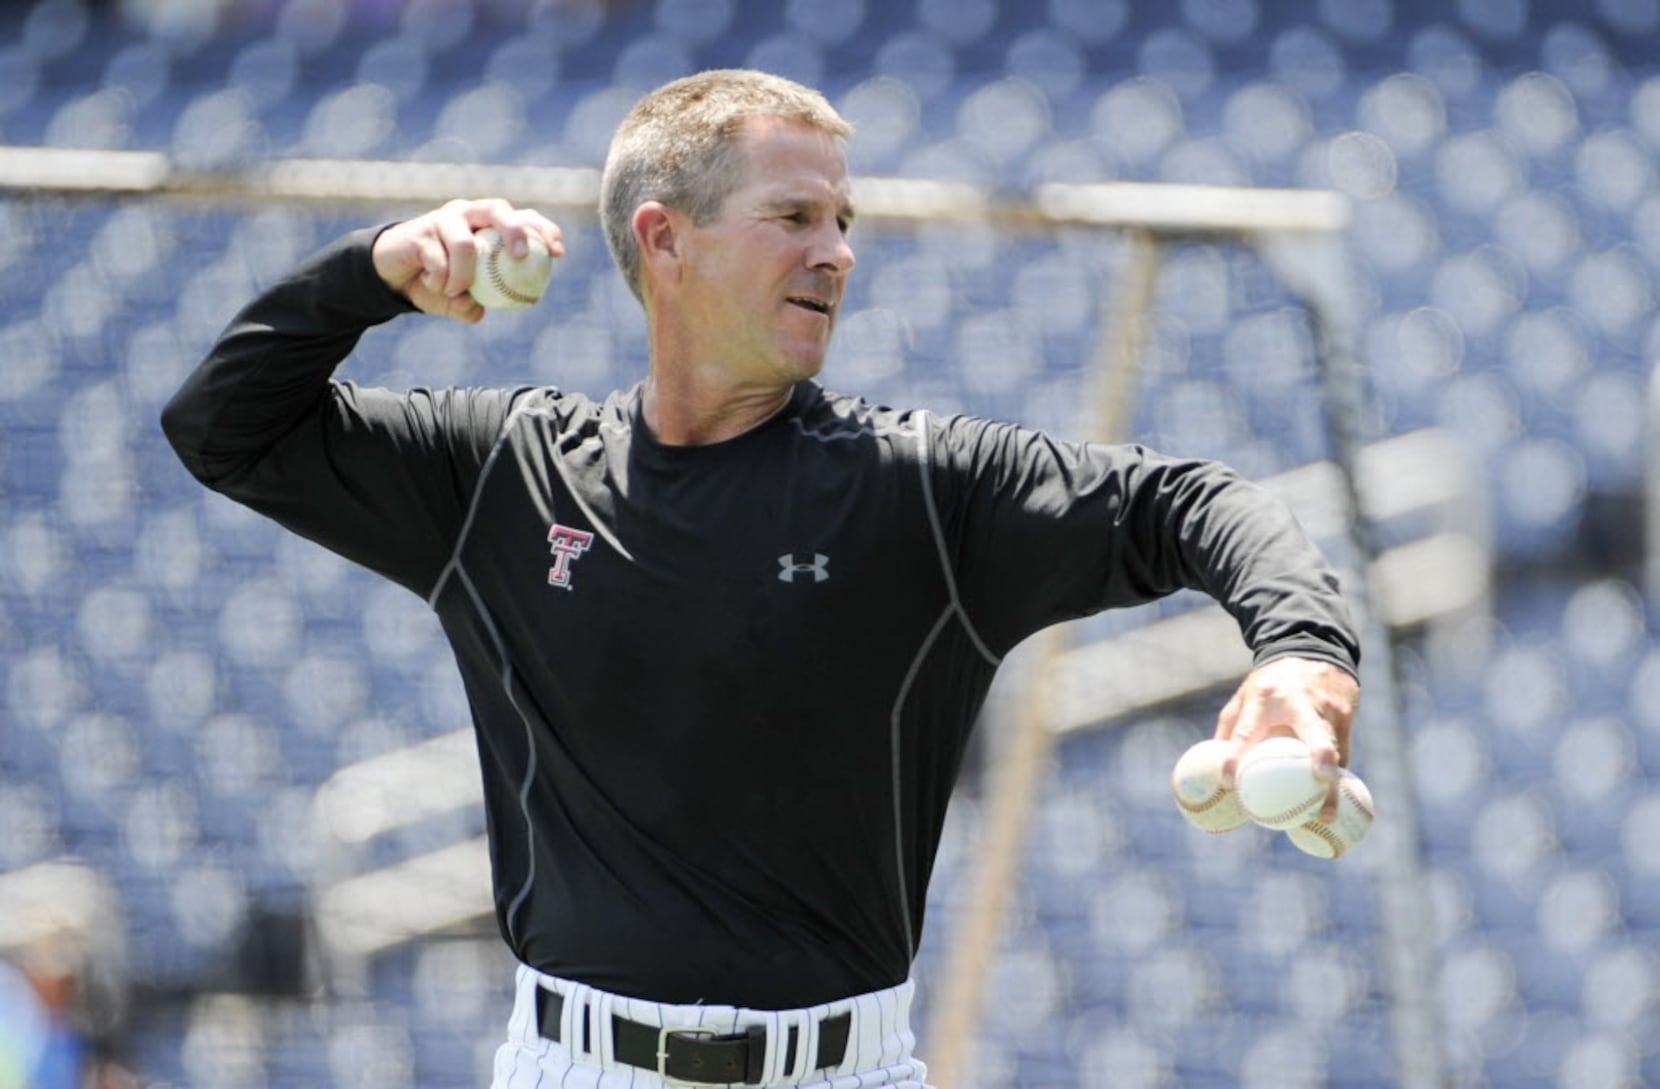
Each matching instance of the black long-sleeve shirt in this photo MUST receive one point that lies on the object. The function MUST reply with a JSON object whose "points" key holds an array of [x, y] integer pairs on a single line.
{"points": [[721, 692]]}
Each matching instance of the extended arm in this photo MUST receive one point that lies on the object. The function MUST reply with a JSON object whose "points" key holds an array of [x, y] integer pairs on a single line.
{"points": [[1044, 531]]}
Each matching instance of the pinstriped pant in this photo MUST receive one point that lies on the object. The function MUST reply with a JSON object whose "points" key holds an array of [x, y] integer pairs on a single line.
{"points": [[878, 1048]]}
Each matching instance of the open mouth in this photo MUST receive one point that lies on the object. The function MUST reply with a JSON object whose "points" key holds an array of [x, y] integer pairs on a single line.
{"points": [[815, 305]]}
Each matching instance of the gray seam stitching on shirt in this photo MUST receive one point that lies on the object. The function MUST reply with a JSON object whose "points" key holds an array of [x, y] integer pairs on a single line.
{"points": [[923, 465], [576, 497], [895, 719], [530, 748], [472, 506]]}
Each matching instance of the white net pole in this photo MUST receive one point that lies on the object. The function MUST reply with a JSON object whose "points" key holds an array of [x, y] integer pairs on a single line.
{"points": [[1321, 275], [1024, 762]]}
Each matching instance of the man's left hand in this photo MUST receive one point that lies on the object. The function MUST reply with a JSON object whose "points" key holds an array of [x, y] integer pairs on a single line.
{"points": [[1312, 700]]}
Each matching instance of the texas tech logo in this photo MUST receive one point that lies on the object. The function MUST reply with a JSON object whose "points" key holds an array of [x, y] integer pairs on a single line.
{"points": [[567, 544], [789, 568]]}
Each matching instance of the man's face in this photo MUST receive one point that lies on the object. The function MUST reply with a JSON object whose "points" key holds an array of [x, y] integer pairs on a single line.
{"points": [[764, 279]]}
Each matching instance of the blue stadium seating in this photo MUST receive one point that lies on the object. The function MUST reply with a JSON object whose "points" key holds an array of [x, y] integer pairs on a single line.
{"points": [[179, 677]]}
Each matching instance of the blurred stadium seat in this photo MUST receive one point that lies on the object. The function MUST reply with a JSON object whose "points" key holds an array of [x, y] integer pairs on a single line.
{"points": [[179, 679]]}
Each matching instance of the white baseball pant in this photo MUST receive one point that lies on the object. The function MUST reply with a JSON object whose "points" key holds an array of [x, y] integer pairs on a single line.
{"points": [[877, 1054]]}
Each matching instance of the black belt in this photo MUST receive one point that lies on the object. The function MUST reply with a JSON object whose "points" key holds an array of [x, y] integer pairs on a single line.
{"points": [[700, 1055]]}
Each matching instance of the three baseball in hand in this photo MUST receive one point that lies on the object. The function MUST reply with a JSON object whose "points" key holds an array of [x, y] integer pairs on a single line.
{"points": [[504, 282], [1275, 787]]}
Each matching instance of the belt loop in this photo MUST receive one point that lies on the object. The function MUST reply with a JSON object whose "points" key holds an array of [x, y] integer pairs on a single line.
{"points": [[806, 1052], [576, 1008], [791, 1043], [595, 1003], [605, 1041]]}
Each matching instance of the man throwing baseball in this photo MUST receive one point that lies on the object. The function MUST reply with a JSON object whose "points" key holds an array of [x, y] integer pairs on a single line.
{"points": [[724, 633]]}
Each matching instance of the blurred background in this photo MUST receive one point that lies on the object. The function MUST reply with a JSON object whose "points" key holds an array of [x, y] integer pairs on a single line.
{"points": [[197, 707]]}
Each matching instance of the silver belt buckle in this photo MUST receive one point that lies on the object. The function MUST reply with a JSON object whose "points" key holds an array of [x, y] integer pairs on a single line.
{"points": [[663, 1035]]}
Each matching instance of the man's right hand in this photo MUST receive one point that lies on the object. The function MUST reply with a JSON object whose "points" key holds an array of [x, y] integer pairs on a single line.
{"points": [[430, 258]]}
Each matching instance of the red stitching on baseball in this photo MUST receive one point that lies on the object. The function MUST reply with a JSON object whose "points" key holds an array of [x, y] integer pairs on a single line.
{"points": [[1214, 798], [492, 265], [1326, 834], [1289, 814]]}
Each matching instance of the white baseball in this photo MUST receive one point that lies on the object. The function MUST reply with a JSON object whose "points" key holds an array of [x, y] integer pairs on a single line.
{"points": [[1196, 781], [1277, 785], [504, 282], [1354, 820]]}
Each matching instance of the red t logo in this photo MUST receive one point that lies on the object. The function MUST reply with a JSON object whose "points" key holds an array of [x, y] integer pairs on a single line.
{"points": [[567, 545]]}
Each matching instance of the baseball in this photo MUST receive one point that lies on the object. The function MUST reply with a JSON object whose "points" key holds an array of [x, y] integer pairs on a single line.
{"points": [[503, 282], [1354, 820], [1196, 781], [1277, 785]]}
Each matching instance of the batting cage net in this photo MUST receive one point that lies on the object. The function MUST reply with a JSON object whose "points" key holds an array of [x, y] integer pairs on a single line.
{"points": [[267, 748], [237, 786]]}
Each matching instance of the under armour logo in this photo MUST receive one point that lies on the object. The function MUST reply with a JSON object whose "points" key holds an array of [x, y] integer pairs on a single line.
{"points": [[788, 569], [567, 545]]}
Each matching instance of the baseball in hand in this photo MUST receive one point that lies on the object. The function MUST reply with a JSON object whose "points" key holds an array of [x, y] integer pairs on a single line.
{"points": [[504, 282], [1277, 785], [1354, 820], [1196, 781]]}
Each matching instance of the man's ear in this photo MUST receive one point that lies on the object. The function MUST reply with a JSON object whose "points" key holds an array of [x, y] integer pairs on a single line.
{"points": [[658, 234]]}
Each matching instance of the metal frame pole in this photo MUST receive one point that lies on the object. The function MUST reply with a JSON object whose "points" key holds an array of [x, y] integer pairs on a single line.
{"points": [[1021, 768]]}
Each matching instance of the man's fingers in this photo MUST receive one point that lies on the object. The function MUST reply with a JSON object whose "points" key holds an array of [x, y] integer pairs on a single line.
{"points": [[1317, 734], [432, 258], [484, 212], [455, 236], [1245, 727], [1227, 724], [435, 263], [511, 223], [1328, 812], [466, 308], [400, 256], [552, 236], [1328, 762], [1227, 720], [517, 229]]}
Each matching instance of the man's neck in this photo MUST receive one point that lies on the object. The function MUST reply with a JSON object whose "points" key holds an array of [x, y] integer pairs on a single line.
{"points": [[681, 410]]}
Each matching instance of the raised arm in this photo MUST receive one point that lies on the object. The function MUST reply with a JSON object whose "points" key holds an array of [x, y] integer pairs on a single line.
{"points": [[380, 477]]}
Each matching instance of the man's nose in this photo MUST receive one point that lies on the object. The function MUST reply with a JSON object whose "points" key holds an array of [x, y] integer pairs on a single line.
{"points": [[833, 250]]}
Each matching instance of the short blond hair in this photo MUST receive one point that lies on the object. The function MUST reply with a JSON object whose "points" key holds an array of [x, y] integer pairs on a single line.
{"points": [[678, 145]]}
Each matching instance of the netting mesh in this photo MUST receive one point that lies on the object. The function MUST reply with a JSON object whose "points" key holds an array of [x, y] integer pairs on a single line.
{"points": [[186, 676], [178, 677]]}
